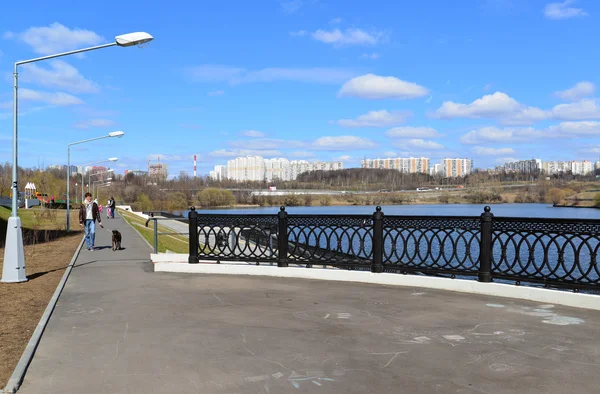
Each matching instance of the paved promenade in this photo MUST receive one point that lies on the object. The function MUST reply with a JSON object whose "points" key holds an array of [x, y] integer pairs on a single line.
{"points": [[121, 328]]}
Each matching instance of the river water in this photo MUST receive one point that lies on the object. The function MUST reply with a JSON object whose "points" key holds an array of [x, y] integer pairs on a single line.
{"points": [[502, 210]]}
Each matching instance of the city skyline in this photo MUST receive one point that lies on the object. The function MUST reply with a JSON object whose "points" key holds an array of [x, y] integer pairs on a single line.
{"points": [[309, 80]]}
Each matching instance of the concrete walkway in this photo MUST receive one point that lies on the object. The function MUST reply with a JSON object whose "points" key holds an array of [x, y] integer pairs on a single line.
{"points": [[121, 328]]}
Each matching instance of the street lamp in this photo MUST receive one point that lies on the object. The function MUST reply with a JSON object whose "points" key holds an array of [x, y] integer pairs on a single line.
{"points": [[96, 174], [14, 255], [112, 134], [113, 159], [98, 181]]}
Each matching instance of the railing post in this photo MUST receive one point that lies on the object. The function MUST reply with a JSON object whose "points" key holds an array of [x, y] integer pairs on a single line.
{"points": [[282, 238], [377, 263], [155, 237], [485, 246], [193, 230]]}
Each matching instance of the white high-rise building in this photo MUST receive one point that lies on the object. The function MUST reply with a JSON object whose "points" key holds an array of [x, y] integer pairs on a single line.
{"points": [[403, 164], [436, 169], [256, 168], [456, 167], [581, 167], [556, 167], [219, 173]]}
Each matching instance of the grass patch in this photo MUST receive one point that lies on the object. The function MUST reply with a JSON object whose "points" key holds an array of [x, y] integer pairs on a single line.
{"points": [[173, 243]]}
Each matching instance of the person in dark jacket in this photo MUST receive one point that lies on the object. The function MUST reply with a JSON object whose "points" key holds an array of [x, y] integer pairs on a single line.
{"points": [[88, 214], [113, 205]]}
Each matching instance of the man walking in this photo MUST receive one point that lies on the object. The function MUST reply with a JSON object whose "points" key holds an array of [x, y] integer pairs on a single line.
{"points": [[113, 206], [88, 214]]}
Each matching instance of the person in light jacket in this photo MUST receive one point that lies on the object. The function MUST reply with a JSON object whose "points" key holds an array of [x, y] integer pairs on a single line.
{"points": [[88, 214]]}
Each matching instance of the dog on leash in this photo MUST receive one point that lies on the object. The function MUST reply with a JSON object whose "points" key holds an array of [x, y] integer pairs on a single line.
{"points": [[116, 240]]}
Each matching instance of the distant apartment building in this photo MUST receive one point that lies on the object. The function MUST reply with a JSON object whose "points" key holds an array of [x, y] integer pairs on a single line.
{"points": [[523, 166], [257, 168], [453, 168], [403, 164], [582, 167], [219, 173], [597, 165], [158, 170], [436, 169]]}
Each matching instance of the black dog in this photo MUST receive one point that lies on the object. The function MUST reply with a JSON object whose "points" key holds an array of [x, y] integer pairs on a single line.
{"points": [[116, 240]]}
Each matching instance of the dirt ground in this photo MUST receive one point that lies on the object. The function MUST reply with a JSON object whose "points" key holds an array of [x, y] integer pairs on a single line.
{"points": [[22, 304]]}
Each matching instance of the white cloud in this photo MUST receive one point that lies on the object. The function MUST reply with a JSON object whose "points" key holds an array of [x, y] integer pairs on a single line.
{"points": [[372, 86], [495, 134], [236, 76], [580, 90], [526, 116], [244, 152], [380, 118], [58, 98], [216, 93], [490, 105], [95, 123], [483, 151], [372, 56], [579, 129], [424, 144], [335, 21], [56, 38], [580, 110], [562, 10], [291, 6], [346, 142], [563, 130], [497, 105], [253, 133], [60, 75], [412, 132], [348, 37], [389, 154]]}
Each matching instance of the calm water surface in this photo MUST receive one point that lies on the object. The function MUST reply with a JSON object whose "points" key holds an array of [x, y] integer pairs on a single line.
{"points": [[506, 210]]}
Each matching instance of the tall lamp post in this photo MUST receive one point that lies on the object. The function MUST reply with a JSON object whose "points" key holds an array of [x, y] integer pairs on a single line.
{"points": [[112, 134], [96, 174], [94, 187], [113, 159], [13, 269]]}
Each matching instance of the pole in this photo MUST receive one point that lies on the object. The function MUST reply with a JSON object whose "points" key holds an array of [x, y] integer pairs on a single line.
{"points": [[69, 188], [485, 248], [13, 269], [377, 263], [282, 238], [193, 236], [15, 180]]}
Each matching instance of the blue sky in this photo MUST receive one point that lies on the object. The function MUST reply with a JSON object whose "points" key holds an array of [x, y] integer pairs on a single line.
{"points": [[491, 80]]}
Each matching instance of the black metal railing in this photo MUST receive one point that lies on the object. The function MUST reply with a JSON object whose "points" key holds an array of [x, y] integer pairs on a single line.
{"points": [[552, 252]]}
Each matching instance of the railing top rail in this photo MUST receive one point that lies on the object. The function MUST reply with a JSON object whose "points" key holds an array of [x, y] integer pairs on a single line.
{"points": [[177, 219]]}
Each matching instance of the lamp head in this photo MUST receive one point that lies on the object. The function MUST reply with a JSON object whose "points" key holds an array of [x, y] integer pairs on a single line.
{"points": [[113, 159], [118, 134], [131, 39]]}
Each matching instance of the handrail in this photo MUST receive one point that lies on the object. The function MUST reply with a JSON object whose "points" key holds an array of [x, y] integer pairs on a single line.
{"points": [[156, 233]]}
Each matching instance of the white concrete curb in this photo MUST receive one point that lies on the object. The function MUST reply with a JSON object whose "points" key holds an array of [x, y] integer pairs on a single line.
{"points": [[19, 373], [546, 296]]}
